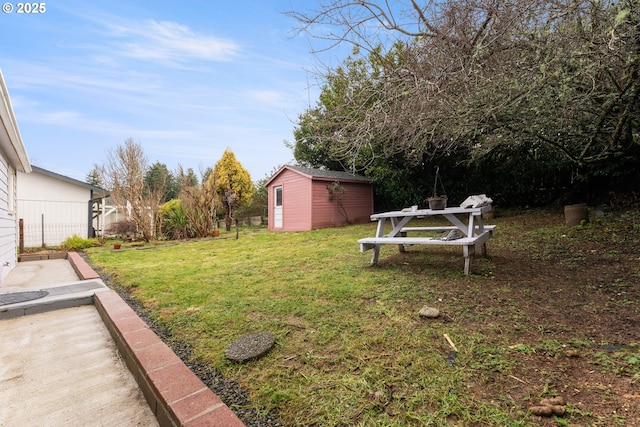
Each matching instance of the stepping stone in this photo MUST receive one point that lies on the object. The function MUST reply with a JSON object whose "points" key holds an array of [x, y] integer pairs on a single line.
{"points": [[429, 312], [250, 346]]}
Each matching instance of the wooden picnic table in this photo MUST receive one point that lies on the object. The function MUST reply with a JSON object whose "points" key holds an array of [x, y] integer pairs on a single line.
{"points": [[468, 221]]}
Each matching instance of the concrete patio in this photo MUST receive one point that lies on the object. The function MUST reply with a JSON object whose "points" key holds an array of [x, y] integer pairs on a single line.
{"points": [[80, 356]]}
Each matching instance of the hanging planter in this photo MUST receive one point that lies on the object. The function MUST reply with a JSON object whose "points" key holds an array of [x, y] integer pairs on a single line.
{"points": [[438, 202]]}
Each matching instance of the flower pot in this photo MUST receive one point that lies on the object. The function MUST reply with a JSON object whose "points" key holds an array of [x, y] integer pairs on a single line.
{"points": [[117, 246], [576, 214], [437, 203], [216, 233]]}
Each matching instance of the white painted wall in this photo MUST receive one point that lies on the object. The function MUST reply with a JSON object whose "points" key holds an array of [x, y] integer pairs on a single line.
{"points": [[8, 240], [60, 205]]}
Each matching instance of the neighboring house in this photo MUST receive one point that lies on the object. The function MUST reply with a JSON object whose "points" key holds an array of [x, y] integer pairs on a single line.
{"points": [[13, 159], [303, 199], [54, 207], [114, 215]]}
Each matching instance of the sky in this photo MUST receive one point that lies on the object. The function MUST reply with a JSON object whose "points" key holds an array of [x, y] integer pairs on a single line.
{"points": [[185, 79]]}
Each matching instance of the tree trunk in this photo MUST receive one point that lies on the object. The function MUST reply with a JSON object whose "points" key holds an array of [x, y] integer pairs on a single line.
{"points": [[227, 221]]}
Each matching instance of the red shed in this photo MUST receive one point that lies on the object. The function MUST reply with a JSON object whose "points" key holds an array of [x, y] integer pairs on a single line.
{"points": [[303, 199]]}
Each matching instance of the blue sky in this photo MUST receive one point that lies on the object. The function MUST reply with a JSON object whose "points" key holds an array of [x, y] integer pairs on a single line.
{"points": [[185, 79]]}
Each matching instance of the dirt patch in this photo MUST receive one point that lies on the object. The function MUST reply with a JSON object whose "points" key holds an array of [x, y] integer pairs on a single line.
{"points": [[570, 298]]}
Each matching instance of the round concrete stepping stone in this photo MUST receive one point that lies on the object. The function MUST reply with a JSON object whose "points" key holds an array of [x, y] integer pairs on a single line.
{"points": [[250, 346], [429, 312]]}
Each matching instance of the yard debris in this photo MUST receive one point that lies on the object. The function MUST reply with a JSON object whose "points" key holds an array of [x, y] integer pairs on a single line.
{"points": [[453, 353], [451, 358], [571, 353], [476, 201], [453, 346], [550, 406], [452, 235], [518, 379], [429, 312]]}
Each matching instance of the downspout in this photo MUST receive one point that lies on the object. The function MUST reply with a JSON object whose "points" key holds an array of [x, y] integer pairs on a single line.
{"points": [[90, 215]]}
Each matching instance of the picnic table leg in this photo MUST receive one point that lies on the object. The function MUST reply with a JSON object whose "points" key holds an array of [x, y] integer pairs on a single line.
{"points": [[483, 249], [470, 229], [379, 233], [394, 224], [375, 254], [468, 251]]}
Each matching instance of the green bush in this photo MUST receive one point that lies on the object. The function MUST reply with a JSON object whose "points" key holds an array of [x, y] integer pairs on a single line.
{"points": [[175, 224], [77, 242]]}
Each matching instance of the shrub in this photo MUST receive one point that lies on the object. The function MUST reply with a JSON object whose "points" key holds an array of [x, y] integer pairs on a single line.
{"points": [[77, 242], [125, 229], [175, 223]]}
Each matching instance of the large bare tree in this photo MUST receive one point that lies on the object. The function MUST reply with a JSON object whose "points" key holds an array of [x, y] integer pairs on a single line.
{"points": [[123, 175]]}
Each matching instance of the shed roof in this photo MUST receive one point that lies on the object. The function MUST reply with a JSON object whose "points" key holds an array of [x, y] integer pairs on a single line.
{"points": [[98, 191], [320, 174]]}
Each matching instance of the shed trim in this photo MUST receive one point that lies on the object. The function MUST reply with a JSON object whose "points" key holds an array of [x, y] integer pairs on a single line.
{"points": [[320, 175]]}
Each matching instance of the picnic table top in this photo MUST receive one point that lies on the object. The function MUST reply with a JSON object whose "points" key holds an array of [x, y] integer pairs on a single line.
{"points": [[431, 212]]}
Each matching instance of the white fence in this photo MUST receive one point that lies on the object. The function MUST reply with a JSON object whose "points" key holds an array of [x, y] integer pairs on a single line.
{"points": [[37, 235], [49, 223]]}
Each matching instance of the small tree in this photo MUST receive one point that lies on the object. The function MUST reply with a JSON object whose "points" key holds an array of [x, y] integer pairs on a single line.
{"points": [[158, 177], [336, 193], [93, 177], [234, 185], [123, 175]]}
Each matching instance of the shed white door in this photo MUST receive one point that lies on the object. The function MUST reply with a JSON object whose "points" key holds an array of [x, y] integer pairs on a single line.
{"points": [[277, 207]]}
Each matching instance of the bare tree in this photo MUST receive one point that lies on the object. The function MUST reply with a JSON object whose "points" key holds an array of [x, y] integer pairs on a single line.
{"points": [[123, 175]]}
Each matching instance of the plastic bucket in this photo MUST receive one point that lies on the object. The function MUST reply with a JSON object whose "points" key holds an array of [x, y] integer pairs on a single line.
{"points": [[576, 214]]}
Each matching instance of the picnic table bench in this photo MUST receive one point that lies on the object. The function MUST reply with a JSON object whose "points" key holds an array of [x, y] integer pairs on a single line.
{"points": [[474, 233]]}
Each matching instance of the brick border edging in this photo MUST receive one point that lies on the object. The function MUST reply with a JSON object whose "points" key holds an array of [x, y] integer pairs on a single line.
{"points": [[174, 393], [82, 269]]}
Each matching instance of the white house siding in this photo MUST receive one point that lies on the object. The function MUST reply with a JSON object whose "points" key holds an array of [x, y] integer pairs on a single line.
{"points": [[13, 157], [8, 256], [60, 206]]}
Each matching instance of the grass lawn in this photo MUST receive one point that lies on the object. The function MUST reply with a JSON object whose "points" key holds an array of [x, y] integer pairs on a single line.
{"points": [[352, 350]]}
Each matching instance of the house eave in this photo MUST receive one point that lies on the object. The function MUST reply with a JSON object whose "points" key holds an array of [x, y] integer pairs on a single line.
{"points": [[99, 192], [10, 140]]}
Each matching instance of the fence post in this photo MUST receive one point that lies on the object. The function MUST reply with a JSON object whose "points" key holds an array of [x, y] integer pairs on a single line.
{"points": [[21, 234]]}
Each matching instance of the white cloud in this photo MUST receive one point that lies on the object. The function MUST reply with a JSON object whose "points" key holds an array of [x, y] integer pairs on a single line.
{"points": [[171, 43], [268, 97]]}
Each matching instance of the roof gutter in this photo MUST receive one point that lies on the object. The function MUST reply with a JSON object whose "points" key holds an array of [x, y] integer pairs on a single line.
{"points": [[10, 139]]}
